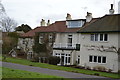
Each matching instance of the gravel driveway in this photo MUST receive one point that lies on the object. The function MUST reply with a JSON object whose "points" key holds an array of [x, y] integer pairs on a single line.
{"points": [[64, 74]]}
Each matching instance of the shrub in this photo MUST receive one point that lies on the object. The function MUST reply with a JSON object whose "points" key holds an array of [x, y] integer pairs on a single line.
{"points": [[97, 74], [118, 71], [88, 67], [109, 70], [54, 60], [35, 59], [99, 68]]}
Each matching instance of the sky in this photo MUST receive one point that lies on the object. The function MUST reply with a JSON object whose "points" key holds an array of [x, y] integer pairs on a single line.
{"points": [[32, 11]]}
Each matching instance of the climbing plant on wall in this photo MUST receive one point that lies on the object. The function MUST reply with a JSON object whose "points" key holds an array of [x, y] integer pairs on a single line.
{"points": [[37, 48]]}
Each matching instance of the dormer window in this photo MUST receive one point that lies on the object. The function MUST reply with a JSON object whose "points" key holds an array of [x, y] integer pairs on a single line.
{"points": [[74, 24]]}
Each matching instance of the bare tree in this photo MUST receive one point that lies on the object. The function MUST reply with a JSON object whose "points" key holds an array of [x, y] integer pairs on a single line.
{"points": [[8, 24]]}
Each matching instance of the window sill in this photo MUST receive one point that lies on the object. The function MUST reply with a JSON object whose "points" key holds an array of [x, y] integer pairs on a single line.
{"points": [[101, 41], [97, 63]]}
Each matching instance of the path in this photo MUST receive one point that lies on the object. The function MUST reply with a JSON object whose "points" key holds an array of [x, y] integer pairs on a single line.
{"points": [[64, 74]]}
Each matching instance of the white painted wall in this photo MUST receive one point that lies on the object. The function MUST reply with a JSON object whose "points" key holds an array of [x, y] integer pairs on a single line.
{"points": [[112, 57], [29, 45], [63, 38]]}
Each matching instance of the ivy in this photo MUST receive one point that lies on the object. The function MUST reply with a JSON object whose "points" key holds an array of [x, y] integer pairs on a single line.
{"points": [[37, 48]]}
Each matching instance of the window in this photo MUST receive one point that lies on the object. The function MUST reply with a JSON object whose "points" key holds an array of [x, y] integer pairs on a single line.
{"points": [[96, 37], [74, 24], [97, 59], [67, 58], [99, 37], [41, 39], [23, 41], [50, 38], [92, 37], [105, 37], [104, 60], [69, 40], [90, 58]]}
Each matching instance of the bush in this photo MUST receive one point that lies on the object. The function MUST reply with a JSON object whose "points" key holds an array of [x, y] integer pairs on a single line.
{"points": [[118, 71], [54, 60], [13, 34], [99, 68], [88, 67], [97, 74], [35, 59], [110, 70]]}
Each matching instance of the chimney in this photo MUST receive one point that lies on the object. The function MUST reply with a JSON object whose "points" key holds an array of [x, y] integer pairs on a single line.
{"points": [[48, 23], [88, 17], [111, 11], [43, 22], [68, 17]]}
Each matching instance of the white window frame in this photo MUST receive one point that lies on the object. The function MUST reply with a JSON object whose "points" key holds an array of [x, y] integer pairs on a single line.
{"points": [[96, 37], [78, 24], [50, 38], [40, 39], [97, 59], [66, 56]]}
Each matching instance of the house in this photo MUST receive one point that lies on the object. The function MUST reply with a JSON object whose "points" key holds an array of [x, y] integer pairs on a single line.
{"points": [[100, 44], [68, 41], [27, 40], [61, 36]]}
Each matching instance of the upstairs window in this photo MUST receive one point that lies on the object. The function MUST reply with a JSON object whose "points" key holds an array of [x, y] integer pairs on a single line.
{"points": [[41, 39], [99, 37], [50, 38], [69, 40], [23, 41]]}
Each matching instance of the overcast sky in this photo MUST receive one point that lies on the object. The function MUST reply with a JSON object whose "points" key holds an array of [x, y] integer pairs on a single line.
{"points": [[32, 11]]}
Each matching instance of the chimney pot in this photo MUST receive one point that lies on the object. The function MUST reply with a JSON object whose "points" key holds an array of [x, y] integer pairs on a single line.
{"points": [[43, 22], [111, 11], [68, 17], [48, 23], [111, 6], [88, 17]]}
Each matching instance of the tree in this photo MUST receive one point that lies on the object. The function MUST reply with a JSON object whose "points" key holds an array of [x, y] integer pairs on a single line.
{"points": [[23, 27], [10, 41], [8, 24]]}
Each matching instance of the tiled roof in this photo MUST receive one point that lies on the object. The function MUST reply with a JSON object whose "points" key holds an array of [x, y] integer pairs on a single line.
{"points": [[31, 33], [58, 26], [107, 23]]}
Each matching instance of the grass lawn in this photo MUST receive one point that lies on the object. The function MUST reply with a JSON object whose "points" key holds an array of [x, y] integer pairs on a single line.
{"points": [[43, 65], [14, 73]]}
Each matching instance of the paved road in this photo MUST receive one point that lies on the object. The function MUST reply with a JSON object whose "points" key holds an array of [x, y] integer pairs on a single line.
{"points": [[47, 71]]}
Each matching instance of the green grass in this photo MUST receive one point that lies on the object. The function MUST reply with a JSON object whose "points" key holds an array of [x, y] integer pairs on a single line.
{"points": [[69, 69], [14, 73]]}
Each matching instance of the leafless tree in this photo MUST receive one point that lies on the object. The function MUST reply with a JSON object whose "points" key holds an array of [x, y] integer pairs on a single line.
{"points": [[8, 24]]}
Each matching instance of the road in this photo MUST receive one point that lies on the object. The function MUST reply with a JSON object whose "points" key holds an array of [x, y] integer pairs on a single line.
{"points": [[64, 74]]}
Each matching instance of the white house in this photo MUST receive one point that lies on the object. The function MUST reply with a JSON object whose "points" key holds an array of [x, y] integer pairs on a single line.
{"points": [[68, 41], [100, 43]]}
